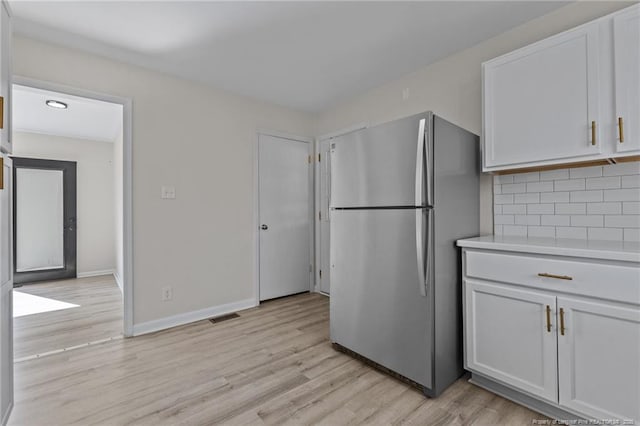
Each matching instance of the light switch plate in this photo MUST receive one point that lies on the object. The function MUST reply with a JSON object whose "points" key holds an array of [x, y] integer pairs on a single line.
{"points": [[168, 192]]}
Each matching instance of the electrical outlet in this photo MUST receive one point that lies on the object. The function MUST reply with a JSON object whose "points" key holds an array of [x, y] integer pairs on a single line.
{"points": [[167, 293], [405, 93], [168, 192]]}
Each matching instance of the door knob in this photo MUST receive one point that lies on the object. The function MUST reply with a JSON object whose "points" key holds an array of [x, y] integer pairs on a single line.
{"points": [[264, 227]]}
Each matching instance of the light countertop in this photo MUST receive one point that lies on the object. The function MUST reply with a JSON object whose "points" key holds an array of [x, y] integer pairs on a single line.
{"points": [[595, 249]]}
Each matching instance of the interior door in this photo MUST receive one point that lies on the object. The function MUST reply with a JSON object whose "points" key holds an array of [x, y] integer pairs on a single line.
{"points": [[324, 272], [6, 286], [44, 195], [285, 250]]}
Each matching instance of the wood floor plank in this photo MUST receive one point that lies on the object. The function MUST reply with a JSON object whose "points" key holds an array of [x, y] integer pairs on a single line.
{"points": [[272, 365]]}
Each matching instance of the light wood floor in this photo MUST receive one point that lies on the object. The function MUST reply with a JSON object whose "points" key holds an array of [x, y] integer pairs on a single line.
{"points": [[272, 365], [98, 317]]}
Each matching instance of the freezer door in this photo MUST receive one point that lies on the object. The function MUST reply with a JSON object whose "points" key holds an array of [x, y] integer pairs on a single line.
{"points": [[383, 165], [377, 307]]}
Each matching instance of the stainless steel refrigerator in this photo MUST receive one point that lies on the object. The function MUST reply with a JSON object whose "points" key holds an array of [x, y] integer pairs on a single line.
{"points": [[401, 194]]}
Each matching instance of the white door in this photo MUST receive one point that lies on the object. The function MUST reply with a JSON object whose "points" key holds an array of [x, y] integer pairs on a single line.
{"points": [[540, 101], [6, 286], [285, 261], [5, 77], [324, 216], [510, 336], [626, 27], [599, 359]]}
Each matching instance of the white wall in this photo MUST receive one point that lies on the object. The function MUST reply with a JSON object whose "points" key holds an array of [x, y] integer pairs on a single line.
{"points": [[118, 207], [452, 86], [95, 192], [198, 139]]}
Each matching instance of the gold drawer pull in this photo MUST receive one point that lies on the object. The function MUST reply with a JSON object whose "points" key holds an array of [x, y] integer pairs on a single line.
{"points": [[593, 133], [562, 321], [548, 319], [559, 277], [621, 129]]}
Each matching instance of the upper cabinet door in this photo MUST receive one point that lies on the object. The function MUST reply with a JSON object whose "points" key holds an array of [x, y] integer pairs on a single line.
{"points": [[626, 32], [5, 78], [540, 102]]}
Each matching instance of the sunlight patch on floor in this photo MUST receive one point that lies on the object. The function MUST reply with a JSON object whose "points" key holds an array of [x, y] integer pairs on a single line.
{"points": [[28, 304]]}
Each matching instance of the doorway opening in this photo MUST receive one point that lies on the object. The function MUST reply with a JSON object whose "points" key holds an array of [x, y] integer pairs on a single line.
{"points": [[72, 222]]}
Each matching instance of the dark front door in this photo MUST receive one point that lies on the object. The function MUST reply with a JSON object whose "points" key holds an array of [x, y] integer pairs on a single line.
{"points": [[44, 220]]}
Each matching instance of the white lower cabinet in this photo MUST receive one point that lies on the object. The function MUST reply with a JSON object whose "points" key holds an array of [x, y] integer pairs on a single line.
{"points": [[599, 359], [510, 340], [555, 338]]}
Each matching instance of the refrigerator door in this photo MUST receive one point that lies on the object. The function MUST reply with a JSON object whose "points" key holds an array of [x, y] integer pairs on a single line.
{"points": [[377, 305], [383, 166]]}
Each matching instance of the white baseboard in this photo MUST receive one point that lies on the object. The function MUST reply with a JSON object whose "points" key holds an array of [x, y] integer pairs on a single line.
{"points": [[95, 273], [118, 281], [187, 317]]}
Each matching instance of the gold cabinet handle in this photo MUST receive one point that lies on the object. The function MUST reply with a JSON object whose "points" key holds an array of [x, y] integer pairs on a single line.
{"points": [[562, 321], [593, 133], [621, 129], [548, 319], [558, 277]]}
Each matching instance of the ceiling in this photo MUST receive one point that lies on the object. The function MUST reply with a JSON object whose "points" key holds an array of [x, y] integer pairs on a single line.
{"points": [[306, 55], [83, 119]]}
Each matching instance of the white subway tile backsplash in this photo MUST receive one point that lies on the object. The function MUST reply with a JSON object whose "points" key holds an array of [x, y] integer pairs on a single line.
{"points": [[629, 194], [569, 185], [503, 199], [632, 235], [585, 196], [527, 219], [554, 197], [503, 219], [514, 209], [540, 209], [555, 174], [542, 231], [571, 232], [531, 198], [497, 229], [526, 177], [612, 182], [631, 207], [632, 181], [604, 208], [597, 203], [582, 172], [512, 188], [571, 208], [612, 234], [514, 230], [622, 221], [620, 169], [584, 220], [553, 220], [540, 187]]}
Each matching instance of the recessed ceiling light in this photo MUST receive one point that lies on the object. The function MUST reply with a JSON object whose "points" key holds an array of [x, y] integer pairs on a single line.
{"points": [[56, 104]]}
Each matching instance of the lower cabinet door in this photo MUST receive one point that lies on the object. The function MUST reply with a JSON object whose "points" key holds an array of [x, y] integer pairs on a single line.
{"points": [[508, 338], [599, 359]]}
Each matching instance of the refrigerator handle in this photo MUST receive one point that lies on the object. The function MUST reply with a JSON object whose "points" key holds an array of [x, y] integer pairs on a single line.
{"points": [[430, 251], [429, 172], [420, 234], [420, 165]]}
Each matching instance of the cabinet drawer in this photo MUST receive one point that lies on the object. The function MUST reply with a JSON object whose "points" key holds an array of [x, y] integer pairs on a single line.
{"points": [[605, 281]]}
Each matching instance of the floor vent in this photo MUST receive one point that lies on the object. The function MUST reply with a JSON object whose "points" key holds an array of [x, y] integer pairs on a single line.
{"points": [[224, 318]]}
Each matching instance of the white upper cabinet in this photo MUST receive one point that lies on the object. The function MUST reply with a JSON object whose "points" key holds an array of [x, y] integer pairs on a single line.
{"points": [[551, 102], [5, 77], [626, 35]]}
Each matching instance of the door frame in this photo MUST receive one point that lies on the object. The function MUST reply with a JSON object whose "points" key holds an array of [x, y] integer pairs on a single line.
{"points": [[318, 194], [256, 207], [127, 179], [69, 198]]}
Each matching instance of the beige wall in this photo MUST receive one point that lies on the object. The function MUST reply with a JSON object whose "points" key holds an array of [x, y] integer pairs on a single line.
{"points": [[452, 86], [95, 192], [194, 137]]}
